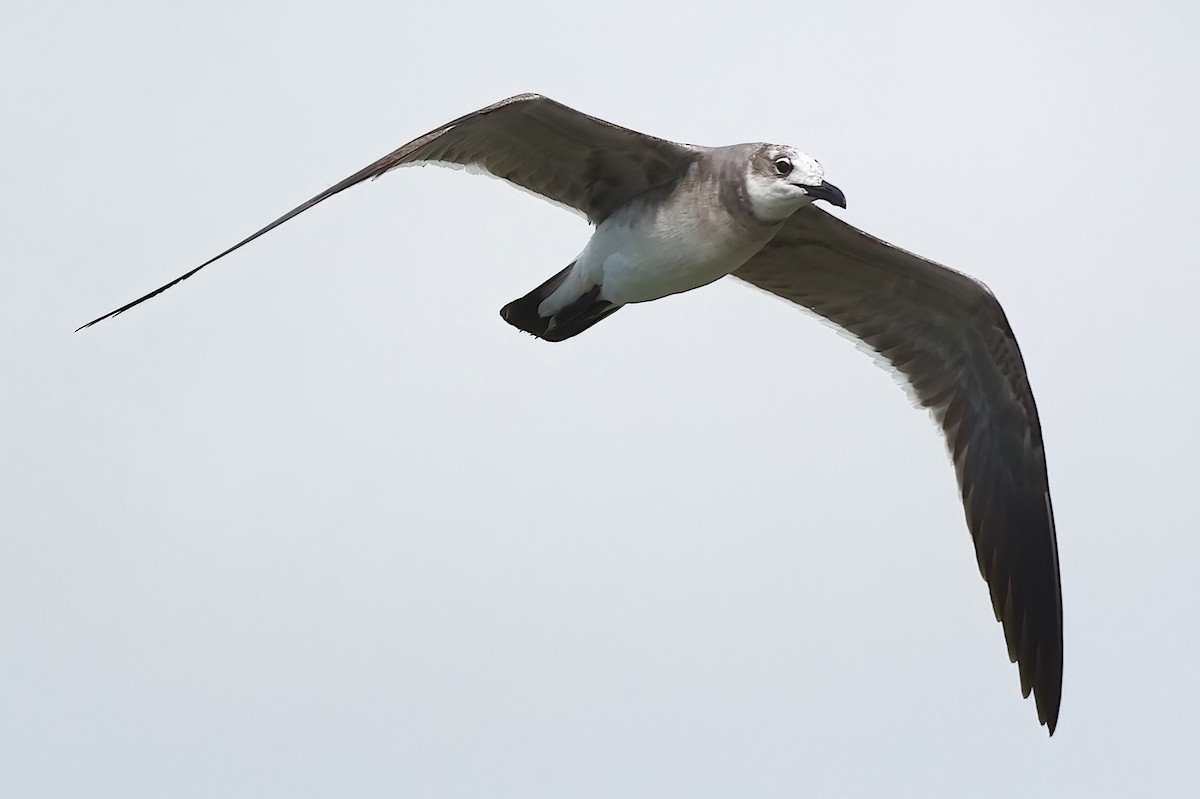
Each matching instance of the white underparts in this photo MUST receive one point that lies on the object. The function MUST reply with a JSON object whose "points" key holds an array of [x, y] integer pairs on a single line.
{"points": [[639, 254]]}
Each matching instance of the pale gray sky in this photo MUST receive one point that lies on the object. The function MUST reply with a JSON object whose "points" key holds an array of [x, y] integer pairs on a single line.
{"points": [[319, 523]]}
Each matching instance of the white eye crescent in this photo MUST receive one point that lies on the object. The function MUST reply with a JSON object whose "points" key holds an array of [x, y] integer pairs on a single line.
{"points": [[783, 166]]}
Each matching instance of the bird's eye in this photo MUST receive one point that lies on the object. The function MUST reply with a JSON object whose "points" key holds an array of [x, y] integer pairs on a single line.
{"points": [[783, 166]]}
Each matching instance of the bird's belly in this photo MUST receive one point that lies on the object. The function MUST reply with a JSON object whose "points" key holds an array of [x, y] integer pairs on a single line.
{"points": [[658, 263]]}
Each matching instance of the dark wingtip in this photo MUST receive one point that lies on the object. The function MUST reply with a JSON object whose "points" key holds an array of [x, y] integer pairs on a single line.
{"points": [[152, 294], [99, 319], [108, 315], [373, 170]]}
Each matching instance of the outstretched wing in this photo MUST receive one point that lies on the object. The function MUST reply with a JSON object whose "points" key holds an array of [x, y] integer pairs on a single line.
{"points": [[528, 140], [948, 336]]}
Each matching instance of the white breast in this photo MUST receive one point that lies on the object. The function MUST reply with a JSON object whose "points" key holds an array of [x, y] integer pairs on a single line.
{"points": [[637, 256]]}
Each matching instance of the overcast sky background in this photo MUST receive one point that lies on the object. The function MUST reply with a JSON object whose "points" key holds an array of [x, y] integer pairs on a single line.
{"points": [[319, 523]]}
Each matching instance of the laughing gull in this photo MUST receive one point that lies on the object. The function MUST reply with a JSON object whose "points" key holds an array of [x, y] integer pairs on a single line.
{"points": [[672, 217]]}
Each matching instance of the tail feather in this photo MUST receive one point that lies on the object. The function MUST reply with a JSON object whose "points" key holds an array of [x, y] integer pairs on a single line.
{"points": [[569, 321]]}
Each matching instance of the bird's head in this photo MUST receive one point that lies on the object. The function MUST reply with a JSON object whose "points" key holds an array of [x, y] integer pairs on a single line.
{"points": [[781, 179]]}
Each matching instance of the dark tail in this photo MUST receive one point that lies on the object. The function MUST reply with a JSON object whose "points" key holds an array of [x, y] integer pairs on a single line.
{"points": [[570, 321]]}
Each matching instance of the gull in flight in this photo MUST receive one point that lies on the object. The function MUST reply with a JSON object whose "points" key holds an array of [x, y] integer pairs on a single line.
{"points": [[672, 217]]}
